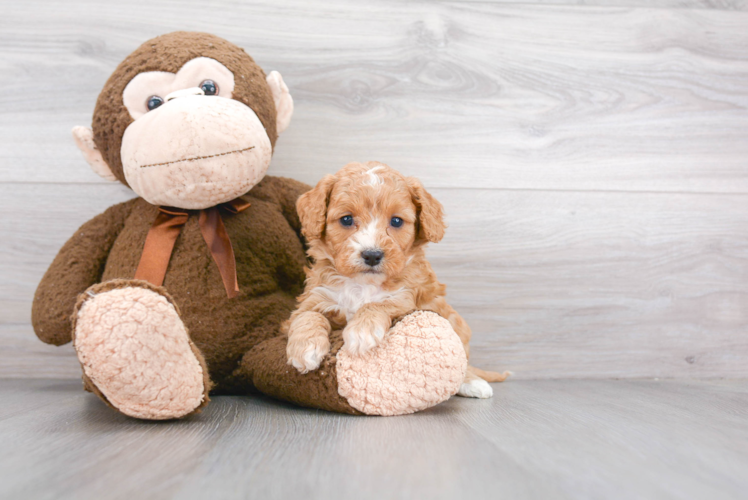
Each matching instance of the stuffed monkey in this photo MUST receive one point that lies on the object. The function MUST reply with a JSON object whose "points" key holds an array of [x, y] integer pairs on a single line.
{"points": [[181, 291]]}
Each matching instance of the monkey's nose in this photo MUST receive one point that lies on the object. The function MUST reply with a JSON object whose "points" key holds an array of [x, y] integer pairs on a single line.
{"points": [[184, 93], [372, 257]]}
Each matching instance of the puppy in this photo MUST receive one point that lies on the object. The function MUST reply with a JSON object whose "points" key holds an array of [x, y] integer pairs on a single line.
{"points": [[367, 227]]}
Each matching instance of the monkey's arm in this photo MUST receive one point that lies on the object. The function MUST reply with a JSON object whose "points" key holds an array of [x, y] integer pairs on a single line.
{"points": [[78, 265]]}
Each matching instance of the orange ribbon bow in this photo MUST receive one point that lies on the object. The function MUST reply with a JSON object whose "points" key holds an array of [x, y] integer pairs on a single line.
{"points": [[163, 234]]}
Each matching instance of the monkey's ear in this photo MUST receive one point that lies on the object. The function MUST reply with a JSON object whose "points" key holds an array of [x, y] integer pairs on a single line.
{"points": [[83, 137], [283, 101]]}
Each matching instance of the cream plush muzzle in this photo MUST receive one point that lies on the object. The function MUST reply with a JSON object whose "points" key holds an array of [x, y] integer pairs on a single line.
{"points": [[195, 152]]}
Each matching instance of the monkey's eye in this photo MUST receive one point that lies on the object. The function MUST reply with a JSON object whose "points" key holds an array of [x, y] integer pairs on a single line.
{"points": [[396, 222], [153, 102], [209, 87], [346, 220]]}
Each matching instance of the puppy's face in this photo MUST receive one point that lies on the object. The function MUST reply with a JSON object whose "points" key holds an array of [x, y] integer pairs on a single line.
{"points": [[370, 226], [368, 220]]}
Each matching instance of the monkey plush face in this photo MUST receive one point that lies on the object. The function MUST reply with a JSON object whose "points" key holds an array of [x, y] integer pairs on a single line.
{"points": [[188, 120], [190, 143]]}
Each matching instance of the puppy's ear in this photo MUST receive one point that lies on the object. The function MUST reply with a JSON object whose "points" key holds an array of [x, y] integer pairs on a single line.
{"points": [[430, 213], [312, 208]]}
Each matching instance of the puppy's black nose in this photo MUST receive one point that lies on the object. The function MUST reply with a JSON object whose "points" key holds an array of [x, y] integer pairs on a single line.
{"points": [[372, 257]]}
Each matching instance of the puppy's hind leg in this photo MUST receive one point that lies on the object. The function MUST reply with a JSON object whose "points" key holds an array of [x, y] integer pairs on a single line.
{"points": [[475, 386]]}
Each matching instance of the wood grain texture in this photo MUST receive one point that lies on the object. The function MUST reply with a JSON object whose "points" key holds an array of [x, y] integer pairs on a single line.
{"points": [[739, 5], [554, 284], [592, 157], [533, 440], [461, 94], [600, 284]]}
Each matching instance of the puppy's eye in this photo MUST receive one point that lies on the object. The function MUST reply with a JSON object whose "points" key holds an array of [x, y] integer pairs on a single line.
{"points": [[347, 220], [209, 87], [153, 102], [396, 222]]}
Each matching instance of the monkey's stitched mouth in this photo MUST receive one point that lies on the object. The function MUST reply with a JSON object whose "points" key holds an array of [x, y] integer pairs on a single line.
{"points": [[195, 158]]}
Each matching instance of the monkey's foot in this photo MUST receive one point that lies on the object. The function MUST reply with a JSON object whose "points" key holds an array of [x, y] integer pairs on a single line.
{"points": [[419, 364], [136, 353]]}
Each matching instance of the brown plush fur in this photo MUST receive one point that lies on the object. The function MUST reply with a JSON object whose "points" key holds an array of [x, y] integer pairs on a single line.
{"points": [[266, 238], [269, 262], [266, 367], [239, 339], [169, 53]]}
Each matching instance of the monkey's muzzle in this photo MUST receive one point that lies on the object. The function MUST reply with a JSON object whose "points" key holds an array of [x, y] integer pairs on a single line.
{"points": [[195, 152]]}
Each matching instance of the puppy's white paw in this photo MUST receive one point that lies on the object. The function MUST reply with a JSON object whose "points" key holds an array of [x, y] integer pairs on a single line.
{"points": [[359, 338], [306, 356], [476, 388]]}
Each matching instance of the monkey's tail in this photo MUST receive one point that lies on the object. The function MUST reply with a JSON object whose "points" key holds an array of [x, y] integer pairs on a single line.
{"points": [[491, 376]]}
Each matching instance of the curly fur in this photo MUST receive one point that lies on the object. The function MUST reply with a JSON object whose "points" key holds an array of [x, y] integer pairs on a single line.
{"points": [[342, 290]]}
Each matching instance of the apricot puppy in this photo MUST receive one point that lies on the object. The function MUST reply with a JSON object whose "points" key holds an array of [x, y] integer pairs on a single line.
{"points": [[367, 227]]}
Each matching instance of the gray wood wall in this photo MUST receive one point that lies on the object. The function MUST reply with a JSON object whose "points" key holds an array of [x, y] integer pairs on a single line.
{"points": [[592, 157]]}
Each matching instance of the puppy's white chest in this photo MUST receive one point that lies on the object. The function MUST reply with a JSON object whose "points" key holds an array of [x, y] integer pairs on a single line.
{"points": [[350, 296]]}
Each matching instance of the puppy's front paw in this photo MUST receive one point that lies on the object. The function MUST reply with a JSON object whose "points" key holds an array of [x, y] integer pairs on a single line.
{"points": [[306, 354], [476, 388], [360, 336]]}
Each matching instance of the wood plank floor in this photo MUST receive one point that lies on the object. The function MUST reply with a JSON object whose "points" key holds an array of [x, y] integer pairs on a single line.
{"points": [[533, 440]]}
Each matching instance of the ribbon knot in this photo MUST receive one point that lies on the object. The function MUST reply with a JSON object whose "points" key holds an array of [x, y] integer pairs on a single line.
{"points": [[163, 234]]}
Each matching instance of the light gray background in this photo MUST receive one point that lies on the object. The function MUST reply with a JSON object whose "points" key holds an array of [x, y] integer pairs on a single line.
{"points": [[592, 157]]}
